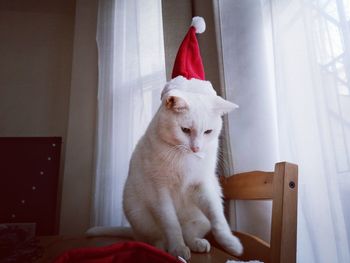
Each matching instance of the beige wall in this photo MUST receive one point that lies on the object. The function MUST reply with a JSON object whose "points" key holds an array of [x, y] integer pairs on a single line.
{"points": [[35, 66], [76, 196], [48, 87]]}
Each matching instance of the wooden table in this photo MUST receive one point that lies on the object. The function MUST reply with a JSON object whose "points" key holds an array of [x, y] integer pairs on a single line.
{"points": [[56, 245]]}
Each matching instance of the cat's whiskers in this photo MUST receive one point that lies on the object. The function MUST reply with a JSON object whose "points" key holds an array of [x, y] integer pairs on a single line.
{"points": [[167, 156], [173, 163], [222, 163], [171, 157], [182, 148], [179, 151]]}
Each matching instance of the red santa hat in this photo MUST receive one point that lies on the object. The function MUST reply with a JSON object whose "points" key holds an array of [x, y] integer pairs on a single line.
{"points": [[188, 73], [188, 62]]}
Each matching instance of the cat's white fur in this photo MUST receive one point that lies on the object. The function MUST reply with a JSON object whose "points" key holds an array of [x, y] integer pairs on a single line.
{"points": [[172, 197]]}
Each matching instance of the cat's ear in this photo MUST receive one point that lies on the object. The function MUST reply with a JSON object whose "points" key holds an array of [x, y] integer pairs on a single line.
{"points": [[176, 104], [222, 106]]}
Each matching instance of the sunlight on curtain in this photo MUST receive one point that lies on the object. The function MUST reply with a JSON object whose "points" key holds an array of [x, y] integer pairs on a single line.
{"points": [[287, 64], [312, 66], [131, 75]]}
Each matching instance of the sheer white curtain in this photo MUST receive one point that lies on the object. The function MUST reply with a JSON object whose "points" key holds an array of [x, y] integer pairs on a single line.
{"points": [[246, 48], [131, 76], [287, 65], [312, 59]]}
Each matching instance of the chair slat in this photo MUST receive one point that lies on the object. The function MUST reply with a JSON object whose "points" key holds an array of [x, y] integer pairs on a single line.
{"points": [[254, 185]]}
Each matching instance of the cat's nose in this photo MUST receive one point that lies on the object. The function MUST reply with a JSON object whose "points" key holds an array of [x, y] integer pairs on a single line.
{"points": [[195, 149]]}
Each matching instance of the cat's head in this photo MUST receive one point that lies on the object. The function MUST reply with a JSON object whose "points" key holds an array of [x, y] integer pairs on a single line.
{"points": [[190, 115]]}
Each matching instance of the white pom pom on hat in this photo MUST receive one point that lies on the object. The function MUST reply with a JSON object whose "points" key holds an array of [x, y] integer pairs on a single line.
{"points": [[199, 24]]}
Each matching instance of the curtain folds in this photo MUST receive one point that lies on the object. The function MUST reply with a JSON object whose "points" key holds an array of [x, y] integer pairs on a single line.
{"points": [[312, 71], [131, 76], [287, 65]]}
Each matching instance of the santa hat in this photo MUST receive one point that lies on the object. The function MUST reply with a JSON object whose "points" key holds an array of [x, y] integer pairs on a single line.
{"points": [[188, 62], [188, 72]]}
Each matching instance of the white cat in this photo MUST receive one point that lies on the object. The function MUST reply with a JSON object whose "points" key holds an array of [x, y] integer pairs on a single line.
{"points": [[172, 197]]}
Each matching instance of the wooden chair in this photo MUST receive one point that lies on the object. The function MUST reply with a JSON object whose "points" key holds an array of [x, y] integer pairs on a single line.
{"points": [[280, 186]]}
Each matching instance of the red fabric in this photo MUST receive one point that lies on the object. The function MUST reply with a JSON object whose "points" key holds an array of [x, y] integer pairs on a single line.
{"points": [[188, 62], [127, 252]]}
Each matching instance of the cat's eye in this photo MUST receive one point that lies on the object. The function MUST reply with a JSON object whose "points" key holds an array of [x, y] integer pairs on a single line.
{"points": [[186, 130], [208, 131]]}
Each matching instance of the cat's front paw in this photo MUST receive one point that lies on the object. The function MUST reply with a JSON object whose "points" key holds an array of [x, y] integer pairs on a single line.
{"points": [[232, 244], [200, 245], [181, 251], [235, 247]]}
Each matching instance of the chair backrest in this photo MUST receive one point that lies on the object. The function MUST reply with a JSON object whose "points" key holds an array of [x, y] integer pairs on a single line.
{"points": [[280, 186]]}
